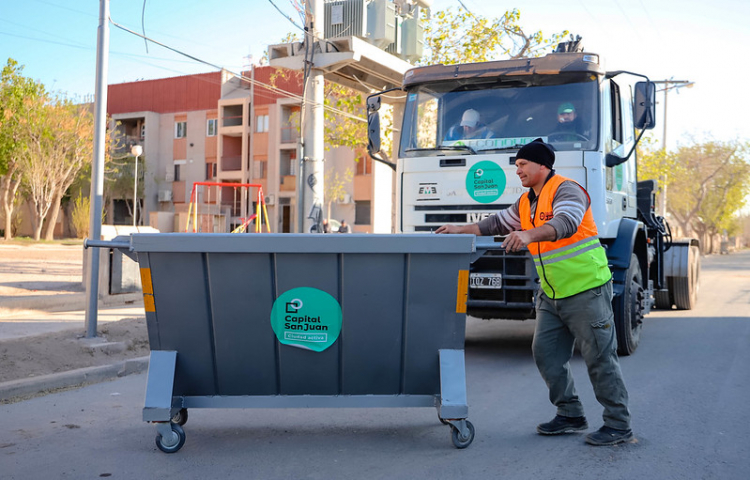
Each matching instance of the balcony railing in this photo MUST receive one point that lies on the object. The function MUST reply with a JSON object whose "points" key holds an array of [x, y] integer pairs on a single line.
{"points": [[289, 134], [231, 164], [288, 183], [231, 121]]}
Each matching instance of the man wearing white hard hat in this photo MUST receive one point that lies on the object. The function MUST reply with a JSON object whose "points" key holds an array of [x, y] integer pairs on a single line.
{"points": [[469, 128]]}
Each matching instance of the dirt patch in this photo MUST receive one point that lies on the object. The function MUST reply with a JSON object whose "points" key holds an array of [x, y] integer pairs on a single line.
{"points": [[65, 350]]}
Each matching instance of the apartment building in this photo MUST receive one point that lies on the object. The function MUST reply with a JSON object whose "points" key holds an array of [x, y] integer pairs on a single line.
{"points": [[215, 127]]}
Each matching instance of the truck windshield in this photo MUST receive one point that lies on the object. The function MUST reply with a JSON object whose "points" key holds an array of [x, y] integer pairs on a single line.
{"points": [[499, 116]]}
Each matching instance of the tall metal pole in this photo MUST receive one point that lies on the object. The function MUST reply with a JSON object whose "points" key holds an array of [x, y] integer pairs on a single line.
{"points": [[135, 193], [97, 171], [664, 149], [668, 84], [310, 193]]}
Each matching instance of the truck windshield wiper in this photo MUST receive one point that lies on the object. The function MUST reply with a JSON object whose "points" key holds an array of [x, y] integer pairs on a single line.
{"points": [[502, 149], [441, 148]]}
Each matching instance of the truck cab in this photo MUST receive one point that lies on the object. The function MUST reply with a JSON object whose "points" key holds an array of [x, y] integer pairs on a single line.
{"points": [[462, 127]]}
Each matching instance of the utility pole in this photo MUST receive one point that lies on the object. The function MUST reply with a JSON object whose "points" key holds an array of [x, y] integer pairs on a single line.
{"points": [[310, 188], [97, 170], [668, 85]]}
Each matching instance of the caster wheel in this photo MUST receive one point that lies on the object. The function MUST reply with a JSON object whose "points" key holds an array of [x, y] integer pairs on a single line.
{"points": [[461, 441], [181, 417], [174, 442]]}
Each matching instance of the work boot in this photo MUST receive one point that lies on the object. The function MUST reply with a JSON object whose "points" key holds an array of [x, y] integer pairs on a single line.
{"points": [[560, 425], [609, 436]]}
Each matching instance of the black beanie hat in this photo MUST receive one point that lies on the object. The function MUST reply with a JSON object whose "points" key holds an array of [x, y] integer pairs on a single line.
{"points": [[538, 152]]}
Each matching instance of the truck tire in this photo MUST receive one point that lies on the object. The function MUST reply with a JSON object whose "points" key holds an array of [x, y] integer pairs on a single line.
{"points": [[628, 310], [685, 289]]}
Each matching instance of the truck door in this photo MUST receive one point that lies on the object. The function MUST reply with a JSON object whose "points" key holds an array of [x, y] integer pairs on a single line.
{"points": [[621, 179]]}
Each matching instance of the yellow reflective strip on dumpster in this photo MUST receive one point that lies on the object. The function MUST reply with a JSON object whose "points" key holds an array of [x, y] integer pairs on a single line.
{"points": [[463, 291], [148, 302], [146, 281]]}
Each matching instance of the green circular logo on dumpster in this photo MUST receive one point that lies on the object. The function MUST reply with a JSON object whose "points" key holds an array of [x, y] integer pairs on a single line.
{"points": [[307, 318], [485, 182]]}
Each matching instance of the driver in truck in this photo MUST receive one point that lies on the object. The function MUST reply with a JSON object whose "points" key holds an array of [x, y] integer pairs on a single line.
{"points": [[574, 305], [470, 127], [569, 127]]}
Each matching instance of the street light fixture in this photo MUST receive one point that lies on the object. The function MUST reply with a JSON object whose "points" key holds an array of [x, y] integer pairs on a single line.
{"points": [[136, 151]]}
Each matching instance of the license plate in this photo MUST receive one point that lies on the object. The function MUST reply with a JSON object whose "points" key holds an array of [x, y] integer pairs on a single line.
{"points": [[486, 280]]}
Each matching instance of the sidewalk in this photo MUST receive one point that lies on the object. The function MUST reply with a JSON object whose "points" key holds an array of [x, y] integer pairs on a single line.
{"points": [[42, 322]]}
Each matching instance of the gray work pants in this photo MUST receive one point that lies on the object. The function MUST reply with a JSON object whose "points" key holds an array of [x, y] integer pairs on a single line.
{"points": [[585, 318]]}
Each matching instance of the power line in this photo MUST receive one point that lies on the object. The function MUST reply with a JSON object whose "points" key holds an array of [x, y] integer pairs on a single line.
{"points": [[285, 15], [238, 75]]}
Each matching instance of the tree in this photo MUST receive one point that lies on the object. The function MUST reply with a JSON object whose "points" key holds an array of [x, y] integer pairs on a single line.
{"points": [[59, 142], [462, 37], [335, 187], [709, 188], [15, 89]]}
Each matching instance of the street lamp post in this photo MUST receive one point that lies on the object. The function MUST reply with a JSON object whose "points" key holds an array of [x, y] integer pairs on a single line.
{"points": [[136, 151]]}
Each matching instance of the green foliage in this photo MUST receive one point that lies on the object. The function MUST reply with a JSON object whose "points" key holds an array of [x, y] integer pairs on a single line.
{"points": [[80, 216], [710, 187], [458, 36], [335, 187]]}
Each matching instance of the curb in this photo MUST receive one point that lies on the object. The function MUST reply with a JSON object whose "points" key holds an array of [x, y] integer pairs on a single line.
{"points": [[17, 390], [63, 302]]}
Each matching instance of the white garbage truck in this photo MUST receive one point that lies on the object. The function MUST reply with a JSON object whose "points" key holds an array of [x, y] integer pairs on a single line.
{"points": [[594, 118]]}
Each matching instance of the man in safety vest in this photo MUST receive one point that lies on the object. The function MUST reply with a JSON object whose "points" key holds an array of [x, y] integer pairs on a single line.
{"points": [[554, 221]]}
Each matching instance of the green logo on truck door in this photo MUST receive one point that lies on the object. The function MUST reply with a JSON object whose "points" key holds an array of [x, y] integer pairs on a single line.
{"points": [[485, 182], [307, 318]]}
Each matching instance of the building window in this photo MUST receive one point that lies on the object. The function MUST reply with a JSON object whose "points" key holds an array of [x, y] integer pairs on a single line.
{"points": [[261, 123], [364, 166], [362, 212], [211, 127], [180, 129], [211, 170], [261, 169], [179, 170]]}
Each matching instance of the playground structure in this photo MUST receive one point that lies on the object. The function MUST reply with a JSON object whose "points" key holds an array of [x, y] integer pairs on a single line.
{"points": [[212, 203]]}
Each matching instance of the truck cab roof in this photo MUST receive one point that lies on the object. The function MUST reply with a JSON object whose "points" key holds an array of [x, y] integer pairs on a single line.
{"points": [[575, 63]]}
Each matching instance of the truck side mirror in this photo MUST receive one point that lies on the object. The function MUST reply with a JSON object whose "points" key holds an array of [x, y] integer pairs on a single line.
{"points": [[645, 105], [373, 125], [373, 133]]}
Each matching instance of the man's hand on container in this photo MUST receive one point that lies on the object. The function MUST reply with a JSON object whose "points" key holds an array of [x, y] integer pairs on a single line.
{"points": [[472, 228]]}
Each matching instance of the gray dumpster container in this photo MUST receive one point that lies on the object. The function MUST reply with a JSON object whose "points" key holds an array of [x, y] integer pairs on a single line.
{"points": [[210, 299]]}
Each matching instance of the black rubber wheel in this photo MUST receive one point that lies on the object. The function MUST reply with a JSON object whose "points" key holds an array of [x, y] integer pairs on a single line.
{"points": [[171, 447], [181, 417], [686, 288], [461, 441], [628, 310]]}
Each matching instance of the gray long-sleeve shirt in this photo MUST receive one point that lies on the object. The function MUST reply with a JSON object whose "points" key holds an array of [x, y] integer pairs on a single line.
{"points": [[568, 207]]}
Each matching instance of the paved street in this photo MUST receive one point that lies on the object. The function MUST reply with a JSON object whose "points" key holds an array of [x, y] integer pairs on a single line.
{"points": [[689, 382]]}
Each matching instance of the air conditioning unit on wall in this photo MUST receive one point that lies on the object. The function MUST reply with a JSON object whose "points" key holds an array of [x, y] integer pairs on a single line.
{"points": [[165, 195], [270, 199]]}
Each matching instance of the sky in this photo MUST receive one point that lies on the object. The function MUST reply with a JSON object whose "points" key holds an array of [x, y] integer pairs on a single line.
{"points": [[696, 41]]}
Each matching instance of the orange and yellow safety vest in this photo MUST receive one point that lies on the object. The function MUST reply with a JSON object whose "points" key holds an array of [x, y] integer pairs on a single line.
{"points": [[569, 265]]}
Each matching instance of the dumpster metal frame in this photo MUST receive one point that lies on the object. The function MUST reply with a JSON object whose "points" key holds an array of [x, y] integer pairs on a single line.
{"points": [[169, 394]]}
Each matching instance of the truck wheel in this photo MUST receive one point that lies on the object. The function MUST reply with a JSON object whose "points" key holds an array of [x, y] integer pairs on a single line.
{"points": [[686, 288], [628, 310]]}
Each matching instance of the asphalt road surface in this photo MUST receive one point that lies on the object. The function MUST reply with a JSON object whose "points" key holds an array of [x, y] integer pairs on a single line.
{"points": [[689, 384]]}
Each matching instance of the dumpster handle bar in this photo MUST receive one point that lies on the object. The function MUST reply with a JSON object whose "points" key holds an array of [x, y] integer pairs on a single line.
{"points": [[90, 242]]}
